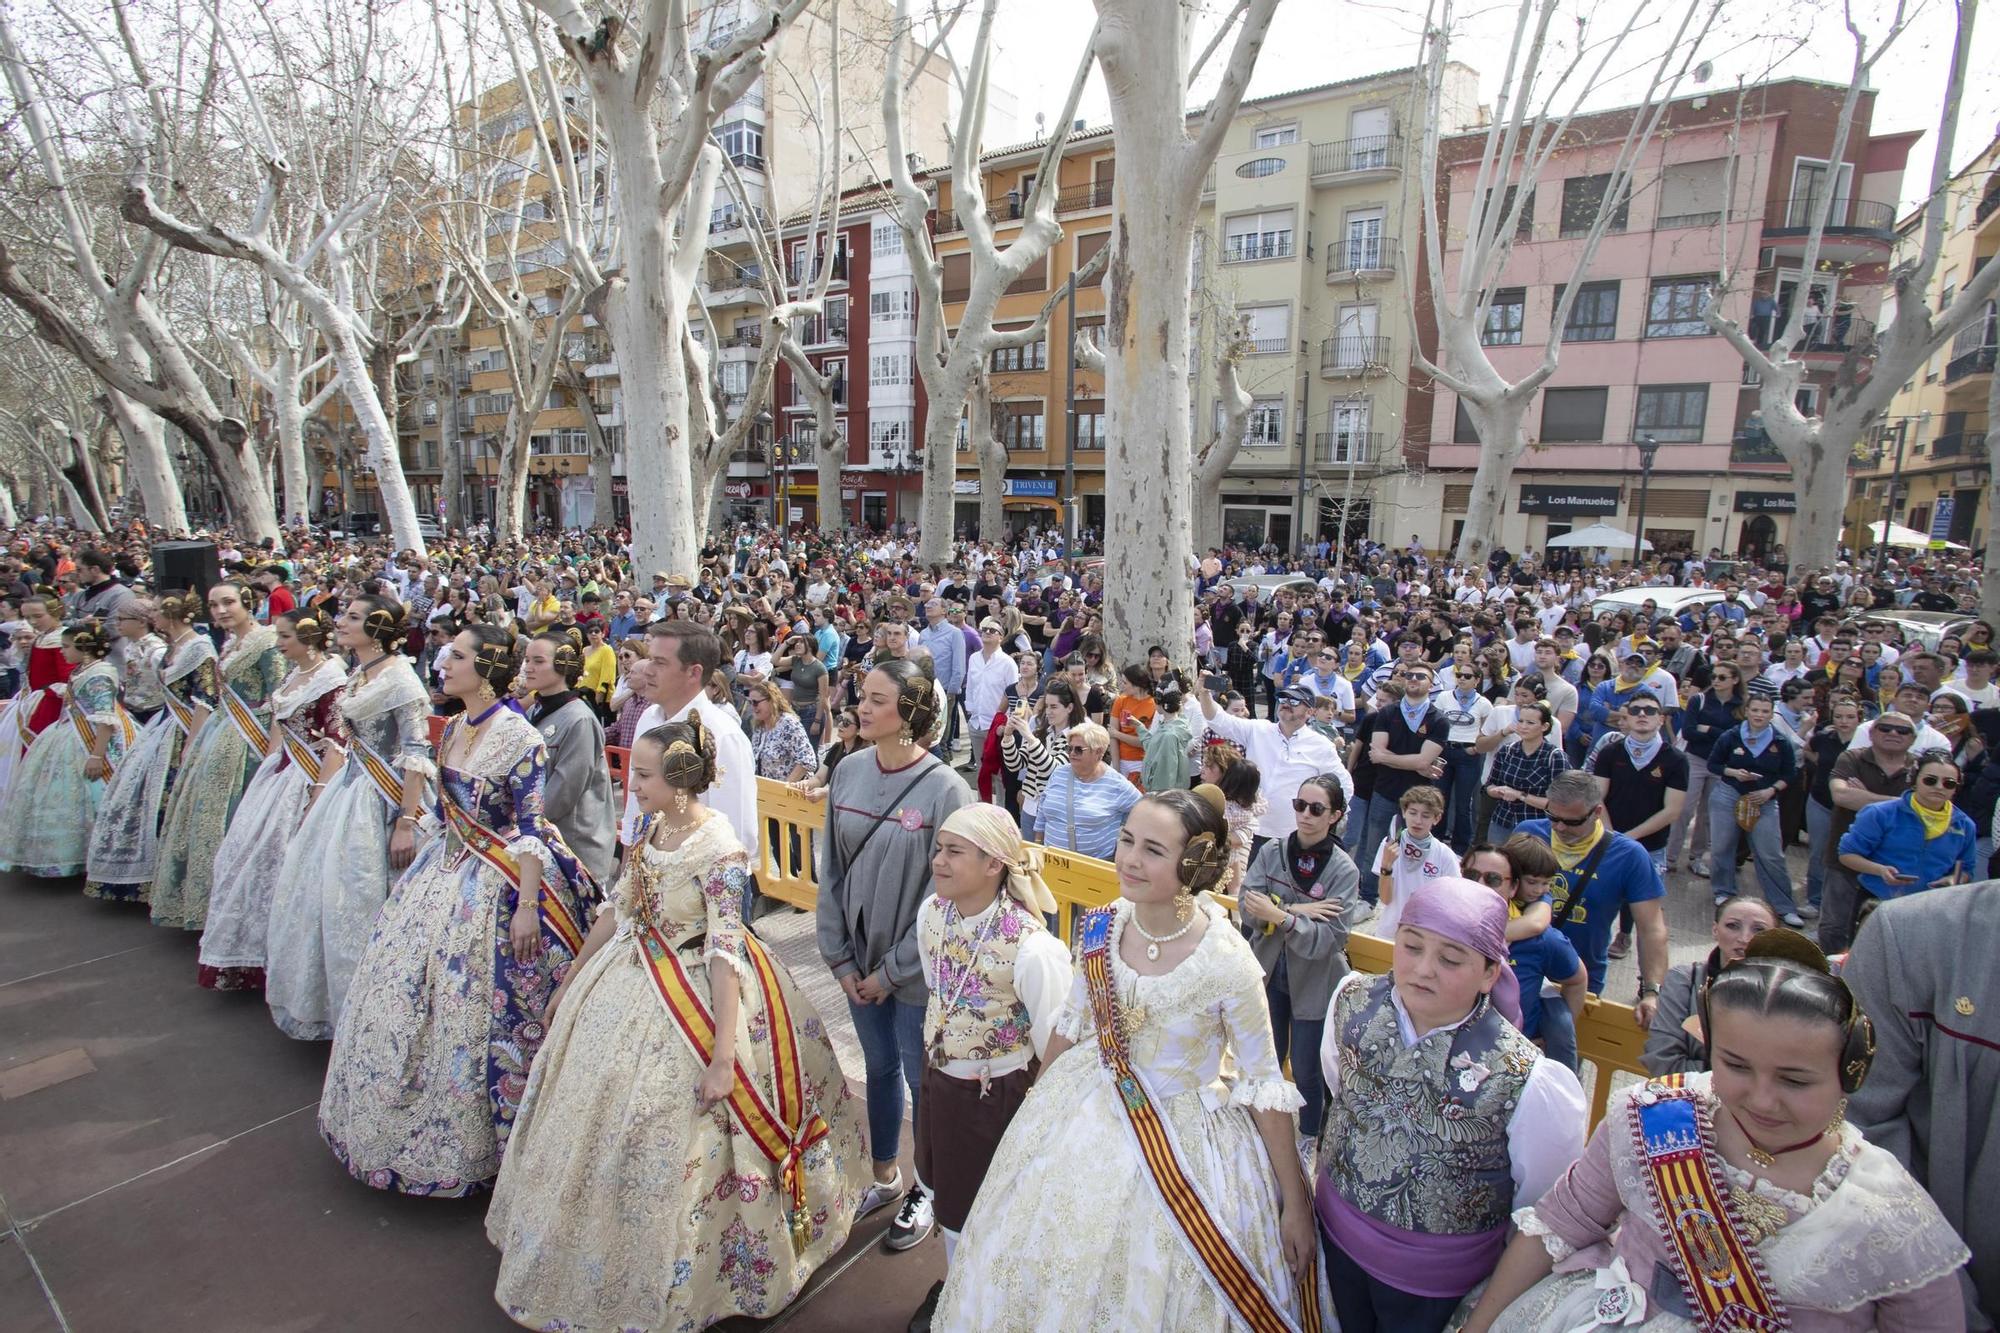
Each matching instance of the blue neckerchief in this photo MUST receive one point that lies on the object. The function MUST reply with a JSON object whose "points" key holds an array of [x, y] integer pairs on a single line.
{"points": [[1464, 697], [1414, 720], [1756, 742], [1643, 755]]}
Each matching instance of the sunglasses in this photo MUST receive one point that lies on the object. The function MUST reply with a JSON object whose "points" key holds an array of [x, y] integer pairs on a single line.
{"points": [[1492, 879], [1881, 730], [1642, 712], [1579, 822], [1931, 780], [1318, 808], [1464, 675]]}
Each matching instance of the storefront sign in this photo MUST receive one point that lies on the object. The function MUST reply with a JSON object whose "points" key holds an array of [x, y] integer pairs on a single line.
{"points": [[1766, 502], [1569, 499], [854, 479], [736, 490], [1022, 486], [1941, 521], [965, 487]]}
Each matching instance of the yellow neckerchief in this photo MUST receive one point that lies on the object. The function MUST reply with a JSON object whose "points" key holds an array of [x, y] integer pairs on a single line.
{"points": [[1934, 824], [1571, 855], [1618, 685]]}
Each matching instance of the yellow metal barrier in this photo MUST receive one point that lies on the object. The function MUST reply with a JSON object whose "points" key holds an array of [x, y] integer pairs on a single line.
{"points": [[1606, 1036]]}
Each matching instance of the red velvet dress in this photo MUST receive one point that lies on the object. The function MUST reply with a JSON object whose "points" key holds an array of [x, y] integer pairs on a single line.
{"points": [[46, 666]]}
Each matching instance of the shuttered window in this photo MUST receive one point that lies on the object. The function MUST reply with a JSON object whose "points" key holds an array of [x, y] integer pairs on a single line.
{"points": [[1676, 504], [1457, 499], [957, 279]]}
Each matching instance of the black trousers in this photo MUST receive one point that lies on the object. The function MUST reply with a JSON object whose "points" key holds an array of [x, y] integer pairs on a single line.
{"points": [[1366, 1305]]}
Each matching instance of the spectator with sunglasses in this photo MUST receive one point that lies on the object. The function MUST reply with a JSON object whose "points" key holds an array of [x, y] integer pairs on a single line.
{"points": [[1916, 842]]}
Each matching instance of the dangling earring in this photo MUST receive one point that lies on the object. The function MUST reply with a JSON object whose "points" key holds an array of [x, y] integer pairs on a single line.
{"points": [[907, 736], [1183, 905], [1839, 1117], [680, 800]]}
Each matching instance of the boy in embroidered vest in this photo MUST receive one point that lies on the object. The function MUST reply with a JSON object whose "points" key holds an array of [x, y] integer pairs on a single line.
{"points": [[1443, 1117], [997, 980]]}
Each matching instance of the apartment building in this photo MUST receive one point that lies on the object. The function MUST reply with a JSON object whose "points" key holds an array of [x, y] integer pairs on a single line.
{"points": [[1938, 424], [1637, 364]]}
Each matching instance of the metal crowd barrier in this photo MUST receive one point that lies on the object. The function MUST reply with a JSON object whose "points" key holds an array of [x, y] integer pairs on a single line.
{"points": [[1606, 1036]]}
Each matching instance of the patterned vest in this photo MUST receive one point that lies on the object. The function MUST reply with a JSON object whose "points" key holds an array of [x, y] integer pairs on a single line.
{"points": [[1417, 1137], [986, 1019]]}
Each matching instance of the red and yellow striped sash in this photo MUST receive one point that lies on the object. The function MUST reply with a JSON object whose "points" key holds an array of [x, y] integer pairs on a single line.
{"points": [[1719, 1270], [301, 753], [245, 718], [782, 1133], [181, 713], [386, 779], [1225, 1269], [491, 848]]}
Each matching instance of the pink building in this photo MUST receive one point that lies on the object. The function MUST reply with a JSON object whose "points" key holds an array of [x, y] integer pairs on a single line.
{"points": [[1636, 360]]}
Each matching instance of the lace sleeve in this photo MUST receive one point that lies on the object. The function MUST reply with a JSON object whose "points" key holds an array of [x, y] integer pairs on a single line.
{"points": [[1075, 1021], [723, 897], [413, 743]]}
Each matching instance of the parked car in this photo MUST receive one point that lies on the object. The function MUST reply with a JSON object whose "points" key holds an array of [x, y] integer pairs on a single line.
{"points": [[1923, 627], [1269, 585], [1670, 601]]}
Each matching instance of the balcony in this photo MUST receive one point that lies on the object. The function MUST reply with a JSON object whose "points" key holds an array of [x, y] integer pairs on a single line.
{"points": [[1830, 340], [1075, 199], [1753, 448], [1370, 155], [801, 274], [1267, 346], [1354, 354], [1346, 448], [1856, 229], [823, 332], [1360, 257], [1960, 444], [1977, 361], [1989, 203], [1080, 198], [1253, 249], [742, 345]]}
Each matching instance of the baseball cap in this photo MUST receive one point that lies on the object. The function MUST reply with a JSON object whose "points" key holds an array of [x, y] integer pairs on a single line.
{"points": [[1293, 695]]}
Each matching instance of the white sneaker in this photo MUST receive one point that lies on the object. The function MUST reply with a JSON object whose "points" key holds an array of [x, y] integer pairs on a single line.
{"points": [[880, 1194], [913, 1221], [1794, 920]]}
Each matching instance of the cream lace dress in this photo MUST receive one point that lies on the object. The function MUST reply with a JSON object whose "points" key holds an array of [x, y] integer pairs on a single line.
{"points": [[623, 1206], [1068, 1233]]}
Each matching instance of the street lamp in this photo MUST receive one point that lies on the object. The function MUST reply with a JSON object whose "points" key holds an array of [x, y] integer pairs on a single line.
{"points": [[1648, 447]]}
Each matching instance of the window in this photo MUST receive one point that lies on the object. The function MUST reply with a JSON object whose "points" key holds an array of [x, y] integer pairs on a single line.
{"points": [[1593, 316], [891, 370], [1257, 236], [835, 370], [888, 237], [1583, 200], [1503, 317], [1525, 229], [1268, 327], [1692, 194], [1462, 429], [742, 142], [1671, 413], [895, 306], [1034, 356], [1272, 136], [1573, 416], [1086, 250], [1091, 330], [1259, 167], [1364, 244], [957, 277], [1034, 278], [1673, 308], [1265, 428], [1090, 423], [735, 379], [1019, 425], [886, 437]]}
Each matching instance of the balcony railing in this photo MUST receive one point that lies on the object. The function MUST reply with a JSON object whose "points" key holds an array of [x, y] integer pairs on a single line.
{"points": [[1842, 333], [1978, 361], [1248, 249], [1848, 216], [1011, 206], [1372, 152], [1346, 448], [1351, 354], [1268, 346], [752, 337], [1369, 254], [1753, 446], [1076, 198], [1988, 202], [1960, 444], [824, 332]]}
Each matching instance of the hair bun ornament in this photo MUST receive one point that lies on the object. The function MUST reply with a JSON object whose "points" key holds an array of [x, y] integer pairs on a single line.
{"points": [[1204, 855], [1781, 943], [1212, 794]]}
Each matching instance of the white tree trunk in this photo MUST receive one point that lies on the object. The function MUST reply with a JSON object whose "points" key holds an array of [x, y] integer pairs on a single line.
{"points": [[1502, 441], [511, 500], [1213, 463], [992, 463], [358, 388], [146, 465]]}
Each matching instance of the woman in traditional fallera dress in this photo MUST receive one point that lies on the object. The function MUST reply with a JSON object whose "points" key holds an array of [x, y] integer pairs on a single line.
{"points": [[267, 818], [633, 1197], [125, 843], [219, 760], [1185, 1001], [432, 1047], [40, 703], [1781, 1212], [46, 820], [360, 830]]}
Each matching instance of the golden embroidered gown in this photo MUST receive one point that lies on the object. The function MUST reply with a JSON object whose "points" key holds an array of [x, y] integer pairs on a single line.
{"points": [[621, 1205]]}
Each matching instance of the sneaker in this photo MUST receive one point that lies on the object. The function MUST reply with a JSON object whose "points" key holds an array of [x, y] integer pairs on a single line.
{"points": [[1699, 867], [920, 1322], [1721, 898], [880, 1195], [913, 1221], [1621, 945], [1794, 920], [1810, 911]]}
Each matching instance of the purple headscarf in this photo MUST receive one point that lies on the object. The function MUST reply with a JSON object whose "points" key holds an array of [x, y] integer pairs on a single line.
{"points": [[1476, 917]]}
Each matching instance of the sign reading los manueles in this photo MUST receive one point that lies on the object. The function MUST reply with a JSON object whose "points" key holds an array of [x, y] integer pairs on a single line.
{"points": [[1569, 499]]}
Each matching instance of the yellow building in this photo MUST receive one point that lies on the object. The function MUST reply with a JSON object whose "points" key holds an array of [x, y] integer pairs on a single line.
{"points": [[1938, 422]]}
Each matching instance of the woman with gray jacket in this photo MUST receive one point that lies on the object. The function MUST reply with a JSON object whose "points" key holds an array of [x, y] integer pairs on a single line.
{"points": [[1297, 900]]}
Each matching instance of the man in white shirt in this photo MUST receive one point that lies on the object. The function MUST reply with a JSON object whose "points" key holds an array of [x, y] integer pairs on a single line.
{"points": [[1561, 695], [681, 655], [1521, 648], [1977, 687], [989, 673], [1286, 753]]}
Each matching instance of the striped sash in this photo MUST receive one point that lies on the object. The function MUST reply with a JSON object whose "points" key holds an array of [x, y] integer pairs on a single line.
{"points": [[245, 718], [1721, 1273], [180, 712], [782, 1133], [87, 730], [491, 848], [387, 780], [301, 753], [1231, 1278]]}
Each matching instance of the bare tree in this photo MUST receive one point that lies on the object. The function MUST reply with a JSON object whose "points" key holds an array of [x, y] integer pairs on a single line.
{"points": [[278, 356], [1519, 143], [659, 93], [1144, 50], [949, 361], [1818, 447]]}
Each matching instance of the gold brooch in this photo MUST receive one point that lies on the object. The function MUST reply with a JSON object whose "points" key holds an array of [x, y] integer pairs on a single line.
{"points": [[1964, 1006]]}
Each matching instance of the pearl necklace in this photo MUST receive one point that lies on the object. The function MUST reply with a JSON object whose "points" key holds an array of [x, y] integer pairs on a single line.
{"points": [[1153, 942]]}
